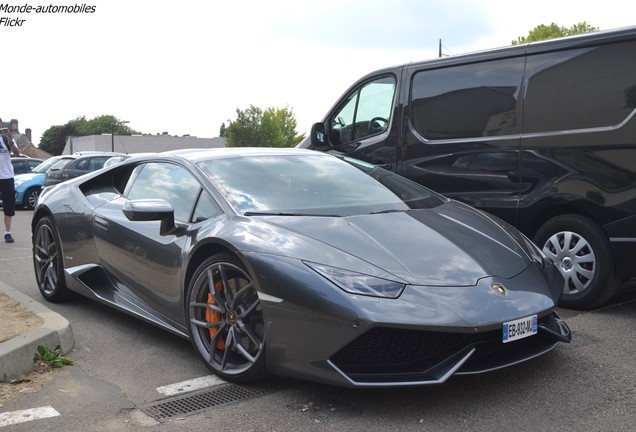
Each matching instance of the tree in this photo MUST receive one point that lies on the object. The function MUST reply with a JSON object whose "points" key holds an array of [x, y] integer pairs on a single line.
{"points": [[543, 32], [54, 138], [254, 127], [103, 124]]}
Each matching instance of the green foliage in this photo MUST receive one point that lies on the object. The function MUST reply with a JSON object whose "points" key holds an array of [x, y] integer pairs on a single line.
{"points": [[54, 138], [254, 127], [543, 32], [53, 358], [103, 124]]}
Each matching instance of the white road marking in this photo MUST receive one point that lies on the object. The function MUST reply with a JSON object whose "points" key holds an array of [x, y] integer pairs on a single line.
{"points": [[22, 416], [190, 385]]}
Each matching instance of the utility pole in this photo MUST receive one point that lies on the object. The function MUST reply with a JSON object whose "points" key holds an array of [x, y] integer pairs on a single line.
{"points": [[112, 133]]}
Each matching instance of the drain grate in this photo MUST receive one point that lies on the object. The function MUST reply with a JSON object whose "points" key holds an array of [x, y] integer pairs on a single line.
{"points": [[193, 403]]}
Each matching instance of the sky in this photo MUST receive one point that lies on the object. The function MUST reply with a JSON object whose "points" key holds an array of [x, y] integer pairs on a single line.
{"points": [[185, 67]]}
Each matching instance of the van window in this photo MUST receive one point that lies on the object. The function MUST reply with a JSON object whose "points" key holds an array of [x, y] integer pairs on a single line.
{"points": [[366, 112], [581, 88], [468, 100]]}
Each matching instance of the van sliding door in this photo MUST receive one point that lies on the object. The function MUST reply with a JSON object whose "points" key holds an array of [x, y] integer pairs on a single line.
{"points": [[462, 136]]}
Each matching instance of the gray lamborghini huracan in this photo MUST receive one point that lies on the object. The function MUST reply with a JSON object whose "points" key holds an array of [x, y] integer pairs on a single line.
{"points": [[299, 263]]}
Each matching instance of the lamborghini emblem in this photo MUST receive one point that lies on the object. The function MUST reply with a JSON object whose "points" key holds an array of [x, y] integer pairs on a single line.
{"points": [[498, 288]]}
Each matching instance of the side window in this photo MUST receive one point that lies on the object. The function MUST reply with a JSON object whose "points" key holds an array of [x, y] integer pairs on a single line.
{"points": [[97, 163], [365, 112], [467, 101], [168, 182], [18, 168], [581, 88], [81, 165], [206, 208]]}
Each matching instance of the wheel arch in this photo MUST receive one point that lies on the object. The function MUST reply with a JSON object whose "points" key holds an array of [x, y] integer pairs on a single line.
{"points": [[204, 251], [532, 224], [39, 214]]}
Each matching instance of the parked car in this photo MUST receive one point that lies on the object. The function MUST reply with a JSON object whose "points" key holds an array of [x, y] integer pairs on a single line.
{"points": [[299, 263], [24, 164], [80, 165], [541, 135], [28, 186]]}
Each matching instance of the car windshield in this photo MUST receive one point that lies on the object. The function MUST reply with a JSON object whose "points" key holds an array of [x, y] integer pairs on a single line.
{"points": [[44, 166], [60, 164], [313, 185]]}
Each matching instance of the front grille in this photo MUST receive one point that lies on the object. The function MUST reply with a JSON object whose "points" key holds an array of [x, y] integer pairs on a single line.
{"points": [[389, 346]]}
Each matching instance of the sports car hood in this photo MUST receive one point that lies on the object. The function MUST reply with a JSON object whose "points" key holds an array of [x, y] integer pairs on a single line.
{"points": [[450, 245]]}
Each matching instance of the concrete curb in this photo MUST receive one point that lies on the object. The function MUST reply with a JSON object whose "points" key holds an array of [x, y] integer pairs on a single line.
{"points": [[16, 354]]}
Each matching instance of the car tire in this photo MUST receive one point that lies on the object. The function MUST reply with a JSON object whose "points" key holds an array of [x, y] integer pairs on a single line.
{"points": [[48, 262], [225, 319], [581, 251], [30, 198]]}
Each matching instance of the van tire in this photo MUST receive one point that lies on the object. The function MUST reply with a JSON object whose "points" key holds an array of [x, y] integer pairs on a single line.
{"points": [[585, 262]]}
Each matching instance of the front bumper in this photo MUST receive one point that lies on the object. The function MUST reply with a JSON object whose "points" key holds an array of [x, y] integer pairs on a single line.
{"points": [[397, 357]]}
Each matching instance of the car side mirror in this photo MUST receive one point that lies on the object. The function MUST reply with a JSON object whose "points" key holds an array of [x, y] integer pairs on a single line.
{"points": [[318, 136], [151, 210]]}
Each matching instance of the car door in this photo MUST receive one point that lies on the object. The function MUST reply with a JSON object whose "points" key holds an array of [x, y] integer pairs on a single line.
{"points": [[362, 124], [145, 265]]}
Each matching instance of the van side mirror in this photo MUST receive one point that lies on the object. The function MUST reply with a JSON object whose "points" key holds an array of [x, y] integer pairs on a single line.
{"points": [[318, 137]]}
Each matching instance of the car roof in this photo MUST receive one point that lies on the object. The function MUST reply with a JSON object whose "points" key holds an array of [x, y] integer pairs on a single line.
{"points": [[96, 154], [196, 155], [26, 158]]}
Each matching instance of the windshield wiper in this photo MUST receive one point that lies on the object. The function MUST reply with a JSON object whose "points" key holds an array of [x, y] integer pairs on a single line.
{"points": [[253, 213]]}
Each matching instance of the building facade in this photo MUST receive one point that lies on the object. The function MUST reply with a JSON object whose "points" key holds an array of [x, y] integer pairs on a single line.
{"points": [[138, 143]]}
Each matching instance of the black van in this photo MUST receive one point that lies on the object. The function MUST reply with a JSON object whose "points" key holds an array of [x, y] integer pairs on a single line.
{"points": [[541, 135]]}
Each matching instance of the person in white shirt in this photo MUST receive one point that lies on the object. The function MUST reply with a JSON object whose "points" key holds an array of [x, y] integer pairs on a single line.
{"points": [[7, 187]]}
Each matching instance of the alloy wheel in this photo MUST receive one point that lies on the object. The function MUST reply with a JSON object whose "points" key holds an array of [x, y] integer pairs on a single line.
{"points": [[226, 320], [45, 258]]}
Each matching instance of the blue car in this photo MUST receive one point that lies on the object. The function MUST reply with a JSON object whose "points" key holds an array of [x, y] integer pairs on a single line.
{"points": [[28, 186]]}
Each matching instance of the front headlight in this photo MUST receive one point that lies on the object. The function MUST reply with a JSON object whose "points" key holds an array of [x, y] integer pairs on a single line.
{"points": [[358, 283]]}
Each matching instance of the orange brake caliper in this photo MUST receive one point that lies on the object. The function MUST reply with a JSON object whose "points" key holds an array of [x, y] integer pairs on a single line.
{"points": [[213, 316]]}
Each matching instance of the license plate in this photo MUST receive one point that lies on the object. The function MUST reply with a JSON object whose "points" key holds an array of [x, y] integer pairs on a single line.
{"points": [[519, 328]]}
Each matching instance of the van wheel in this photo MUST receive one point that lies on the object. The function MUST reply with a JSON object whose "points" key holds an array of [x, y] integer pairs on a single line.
{"points": [[581, 251]]}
